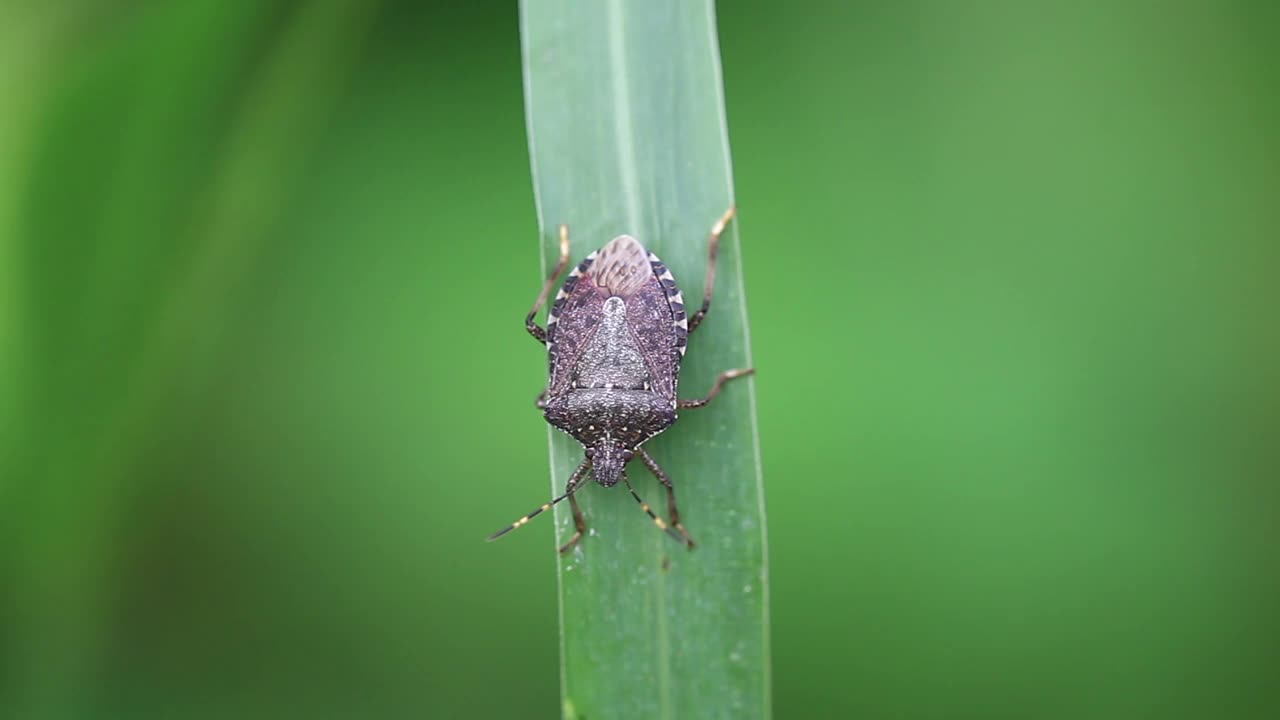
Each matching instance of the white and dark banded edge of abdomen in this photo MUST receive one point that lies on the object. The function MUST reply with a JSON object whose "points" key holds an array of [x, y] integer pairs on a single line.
{"points": [[679, 317]]}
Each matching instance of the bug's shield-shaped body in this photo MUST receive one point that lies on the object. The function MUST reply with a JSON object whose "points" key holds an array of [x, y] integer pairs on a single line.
{"points": [[615, 337]]}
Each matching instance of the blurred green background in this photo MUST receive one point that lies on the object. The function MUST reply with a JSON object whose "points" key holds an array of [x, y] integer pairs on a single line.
{"points": [[1012, 271]]}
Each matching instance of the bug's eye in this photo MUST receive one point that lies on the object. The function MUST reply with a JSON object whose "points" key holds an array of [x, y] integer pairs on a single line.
{"points": [[591, 452], [627, 454]]}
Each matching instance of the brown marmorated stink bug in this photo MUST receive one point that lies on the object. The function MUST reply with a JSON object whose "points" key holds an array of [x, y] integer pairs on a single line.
{"points": [[615, 337]]}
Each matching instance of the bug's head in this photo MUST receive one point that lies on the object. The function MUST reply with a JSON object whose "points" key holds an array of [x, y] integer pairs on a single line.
{"points": [[607, 461]]}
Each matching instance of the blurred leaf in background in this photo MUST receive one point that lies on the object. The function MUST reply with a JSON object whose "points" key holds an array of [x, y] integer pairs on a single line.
{"points": [[264, 386]]}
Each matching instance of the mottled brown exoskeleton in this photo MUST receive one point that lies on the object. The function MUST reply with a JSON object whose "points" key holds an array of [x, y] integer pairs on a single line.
{"points": [[615, 336]]}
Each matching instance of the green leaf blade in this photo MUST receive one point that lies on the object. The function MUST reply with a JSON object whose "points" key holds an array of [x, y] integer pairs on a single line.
{"points": [[627, 135]]}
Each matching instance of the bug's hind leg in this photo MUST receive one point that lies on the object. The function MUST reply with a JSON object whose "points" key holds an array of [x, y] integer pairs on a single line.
{"points": [[713, 243], [725, 376], [672, 510], [532, 326]]}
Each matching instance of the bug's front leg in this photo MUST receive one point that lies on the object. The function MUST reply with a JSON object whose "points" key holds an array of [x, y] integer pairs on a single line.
{"points": [[665, 479], [537, 332], [713, 247], [578, 478], [725, 376], [579, 524]]}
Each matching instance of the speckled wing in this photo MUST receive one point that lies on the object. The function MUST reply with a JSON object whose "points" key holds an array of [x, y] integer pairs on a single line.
{"points": [[655, 314], [571, 323]]}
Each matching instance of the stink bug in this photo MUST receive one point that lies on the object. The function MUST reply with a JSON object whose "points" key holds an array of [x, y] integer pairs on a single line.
{"points": [[615, 337]]}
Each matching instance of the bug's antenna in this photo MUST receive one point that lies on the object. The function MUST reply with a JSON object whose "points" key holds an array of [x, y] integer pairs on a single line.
{"points": [[530, 516], [575, 482], [656, 520]]}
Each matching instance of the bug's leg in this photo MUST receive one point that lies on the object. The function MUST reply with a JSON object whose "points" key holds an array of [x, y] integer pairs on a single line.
{"points": [[576, 481], [579, 524], [653, 516], [713, 243], [537, 332], [672, 510], [715, 389]]}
